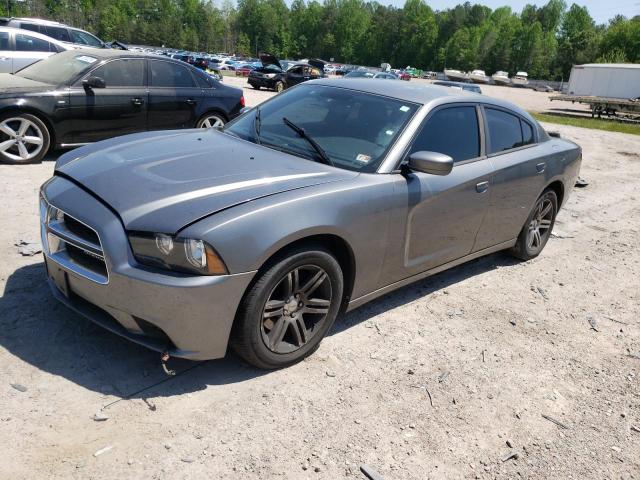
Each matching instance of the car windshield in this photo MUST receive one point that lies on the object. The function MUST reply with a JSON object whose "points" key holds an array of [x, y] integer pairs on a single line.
{"points": [[355, 129], [58, 69]]}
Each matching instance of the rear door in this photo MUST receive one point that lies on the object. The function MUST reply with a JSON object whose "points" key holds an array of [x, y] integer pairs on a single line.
{"points": [[173, 96], [444, 213], [117, 109], [6, 53], [519, 175]]}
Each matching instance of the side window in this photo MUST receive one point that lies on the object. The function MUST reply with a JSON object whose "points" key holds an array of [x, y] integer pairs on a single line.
{"points": [[121, 73], [4, 40], [527, 132], [30, 26], [204, 80], [168, 74], [27, 43], [296, 70], [452, 131], [85, 38], [504, 130], [59, 33]]}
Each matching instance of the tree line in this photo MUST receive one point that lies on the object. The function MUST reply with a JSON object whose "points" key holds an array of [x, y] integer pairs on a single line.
{"points": [[544, 41]]}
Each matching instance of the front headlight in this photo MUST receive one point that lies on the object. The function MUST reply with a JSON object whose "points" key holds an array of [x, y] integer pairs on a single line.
{"points": [[188, 255], [269, 75]]}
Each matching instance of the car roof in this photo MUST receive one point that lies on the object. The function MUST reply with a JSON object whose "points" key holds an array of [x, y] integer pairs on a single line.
{"points": [[416, 92], [40, 21], [105, 53], [63, 45]]}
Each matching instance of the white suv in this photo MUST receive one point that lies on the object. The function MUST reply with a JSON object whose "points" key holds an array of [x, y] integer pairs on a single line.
{"points": [[55, 30]]}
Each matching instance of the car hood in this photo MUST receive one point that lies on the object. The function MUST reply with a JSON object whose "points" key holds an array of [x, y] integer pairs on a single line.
{"points": [[13, 84], [268, 59], [314, 62], [163, 181]]}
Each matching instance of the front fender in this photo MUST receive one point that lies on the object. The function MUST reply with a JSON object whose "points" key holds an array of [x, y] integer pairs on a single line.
{"points": [[357, 211]]}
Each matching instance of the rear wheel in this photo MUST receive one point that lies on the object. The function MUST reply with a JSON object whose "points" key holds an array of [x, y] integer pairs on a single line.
{"points": [[24, 138], [279, 87], [211, 120], [289, 309], [256, 87], [536, 231]]}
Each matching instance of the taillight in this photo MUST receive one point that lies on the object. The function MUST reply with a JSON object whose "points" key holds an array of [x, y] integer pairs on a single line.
{"points": [[242, 101]]}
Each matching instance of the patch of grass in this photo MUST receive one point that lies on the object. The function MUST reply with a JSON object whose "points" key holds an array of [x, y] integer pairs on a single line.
{"points": [[586, 122]]}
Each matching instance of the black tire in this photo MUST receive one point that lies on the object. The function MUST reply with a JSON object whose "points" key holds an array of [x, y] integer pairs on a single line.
{"points": [[279, 87], [249, 337], [12, 153], [524, 248], [256, 87]]}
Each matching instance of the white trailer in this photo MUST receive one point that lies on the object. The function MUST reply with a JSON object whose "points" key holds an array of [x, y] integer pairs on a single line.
{"points": [[608, 88], [607, 80]]}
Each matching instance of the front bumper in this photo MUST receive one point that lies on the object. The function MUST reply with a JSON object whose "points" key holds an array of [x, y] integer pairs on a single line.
{"points": [[262, 82], [187, 316]]}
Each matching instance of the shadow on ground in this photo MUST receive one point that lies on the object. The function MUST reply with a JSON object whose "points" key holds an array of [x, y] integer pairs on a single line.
{"points": [[37, 329]]}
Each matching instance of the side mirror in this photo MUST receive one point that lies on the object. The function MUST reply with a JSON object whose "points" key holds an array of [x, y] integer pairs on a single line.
{"points": [[433, 163], [93, 82]]}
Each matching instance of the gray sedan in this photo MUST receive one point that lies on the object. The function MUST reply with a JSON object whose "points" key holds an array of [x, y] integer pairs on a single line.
{"points": [[323, 198]]}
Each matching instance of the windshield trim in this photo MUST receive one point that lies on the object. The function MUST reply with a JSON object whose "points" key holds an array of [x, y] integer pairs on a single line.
{"points": [[391, 149]]}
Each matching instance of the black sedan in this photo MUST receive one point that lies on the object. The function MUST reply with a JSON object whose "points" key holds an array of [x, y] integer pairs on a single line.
{"points": [[277, 75], [82, 96]]}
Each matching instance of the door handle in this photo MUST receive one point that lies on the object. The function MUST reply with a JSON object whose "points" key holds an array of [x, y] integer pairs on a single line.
{"points": [[190, 101], [540, 167], [482, 187], [137, 101]]}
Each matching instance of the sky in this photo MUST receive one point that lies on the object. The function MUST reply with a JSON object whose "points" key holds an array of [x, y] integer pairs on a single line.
{"points": [[600, 10]]}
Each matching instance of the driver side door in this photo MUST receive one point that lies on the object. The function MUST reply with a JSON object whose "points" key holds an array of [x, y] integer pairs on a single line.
{"points": [[440, 216], [118, 109]]}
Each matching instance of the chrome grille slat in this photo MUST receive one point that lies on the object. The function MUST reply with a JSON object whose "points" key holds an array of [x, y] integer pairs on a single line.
{"points": [[70, 249], [58, 229]]}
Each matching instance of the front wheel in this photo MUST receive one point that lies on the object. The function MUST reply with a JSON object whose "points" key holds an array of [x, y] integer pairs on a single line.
{"points": [[279, 87], [24, 138], [536, 231], [289, 309]]}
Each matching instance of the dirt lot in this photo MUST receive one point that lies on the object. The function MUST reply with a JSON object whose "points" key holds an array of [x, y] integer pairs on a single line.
{"points": [[431, 381]]}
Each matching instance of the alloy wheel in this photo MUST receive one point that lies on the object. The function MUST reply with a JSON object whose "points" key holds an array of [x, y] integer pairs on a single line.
{"points": [[296, 309], [212, 122], [20, 139], [540, 225]]}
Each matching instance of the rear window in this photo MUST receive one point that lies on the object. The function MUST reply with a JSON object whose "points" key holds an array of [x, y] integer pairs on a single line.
{"points": [[4, 41], [507, 131], [30, 26], [168, 74], [27, 43], [59, 33]]}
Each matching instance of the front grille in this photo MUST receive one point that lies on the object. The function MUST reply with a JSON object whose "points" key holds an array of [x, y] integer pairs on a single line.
{"points": [[72, 243]]}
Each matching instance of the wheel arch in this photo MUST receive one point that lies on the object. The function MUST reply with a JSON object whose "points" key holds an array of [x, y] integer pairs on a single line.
{"points": [[335, 244], [558, 188], [36, 113]]}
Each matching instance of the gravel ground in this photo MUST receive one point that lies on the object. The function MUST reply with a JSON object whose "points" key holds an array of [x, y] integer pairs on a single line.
{"points": [[441, 379]]}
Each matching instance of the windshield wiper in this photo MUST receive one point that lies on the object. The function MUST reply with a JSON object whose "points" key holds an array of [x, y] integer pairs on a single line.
{"points": [[300, 131], [256, 126]]}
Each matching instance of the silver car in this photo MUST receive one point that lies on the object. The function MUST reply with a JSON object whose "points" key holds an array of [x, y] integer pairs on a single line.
{"points": [[20, 48], [317, 201]]}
